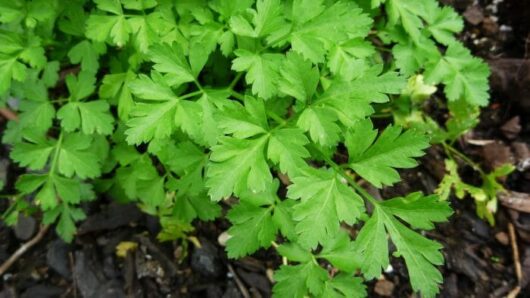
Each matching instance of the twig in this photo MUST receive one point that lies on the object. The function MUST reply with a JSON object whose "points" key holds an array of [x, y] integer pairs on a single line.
{"points": [[72, 268], [517, 262], [8, 114], [513, 293], [23, 249], [239, 283], [515, 249]]}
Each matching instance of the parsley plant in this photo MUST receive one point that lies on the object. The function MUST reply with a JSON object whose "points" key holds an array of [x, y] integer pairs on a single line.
{"points": [[177, 105]]}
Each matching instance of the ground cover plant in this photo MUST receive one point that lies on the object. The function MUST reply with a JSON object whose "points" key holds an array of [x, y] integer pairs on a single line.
{"points": [[181, 105]]}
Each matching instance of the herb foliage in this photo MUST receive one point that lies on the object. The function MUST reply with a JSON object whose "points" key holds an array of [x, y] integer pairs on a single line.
{"points": [[177, 105]]}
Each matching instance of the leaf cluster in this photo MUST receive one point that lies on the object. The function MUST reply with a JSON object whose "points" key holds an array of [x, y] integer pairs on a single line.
{"points": [[178, 105]]}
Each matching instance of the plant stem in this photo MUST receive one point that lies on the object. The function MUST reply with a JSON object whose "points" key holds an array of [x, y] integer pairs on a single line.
{"points": [[276, 118], [59, 100], [23, 249], [56, 154], [450, 150], [381, 116], [235, 80], [199, 86], [191, 94], [7, 196], [237, 95]]}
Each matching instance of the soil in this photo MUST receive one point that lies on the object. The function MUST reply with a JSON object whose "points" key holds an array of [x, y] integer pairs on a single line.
{"points": [[479, 257]]}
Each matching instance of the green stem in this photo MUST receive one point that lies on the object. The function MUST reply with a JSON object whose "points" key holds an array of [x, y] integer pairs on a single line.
{"points": [[381, 116], [56, 154], [8, 210], [237, 95], [450, 151], [59, 100], [191, 94], [7, 196], [199, 86], [235, 80], [276, 118]]}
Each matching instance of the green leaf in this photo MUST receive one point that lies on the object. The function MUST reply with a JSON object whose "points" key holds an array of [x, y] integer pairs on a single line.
{"points": [[116, 88], [36, 115], [139, 4], [320, 123], [53, 187], [67, 216], [464, 76], [228, 8], [252, 227], [77, 157], [420, 254], [32, 155], [236, 165], [376, 160], [299, 77], [87, 54], [10, 68], [411, 56], [156, 119], [104, 27], [340, 252], [81, 86], [254, 221], [283, 218], [372, 244], [152, 88], [344, 285], [299, 280], [189, 207], [170, 59], [419, 211], [92, 117], [266, 19], [443, 23], [347, 59], [325, 202], [262, 71], [244, 121], [409, 13], [150, 121], [286, 149], [316, 30], [294, 252], [29, 183], [188, 161], [146, 30], [347, 102]]}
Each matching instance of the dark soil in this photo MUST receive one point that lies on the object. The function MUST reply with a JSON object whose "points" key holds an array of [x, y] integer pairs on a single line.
{"points": [[479, 257]]}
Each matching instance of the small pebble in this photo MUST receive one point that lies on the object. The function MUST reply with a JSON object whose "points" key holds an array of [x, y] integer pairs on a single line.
{"points": [[502, 237], [223, 238], [26, 227]]}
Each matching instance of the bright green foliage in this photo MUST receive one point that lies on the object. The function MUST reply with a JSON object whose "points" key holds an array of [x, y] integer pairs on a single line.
{"points": [[376, 159], [177, 105], [485, 196], [307, 277], [262, 71], [420, 253], [325, 202], [256, 221], [463, 75]]}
